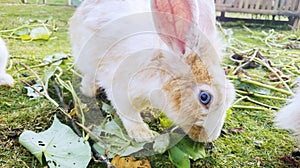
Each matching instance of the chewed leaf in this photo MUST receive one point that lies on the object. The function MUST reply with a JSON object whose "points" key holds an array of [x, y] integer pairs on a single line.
{"points": [[40, 33], [115, 140], [42, 85], [194, 150], [55, 58], [179, 158], [133, 148], [184, 150], [60, 146], [49, 72], [34, 91], [161, 143]]}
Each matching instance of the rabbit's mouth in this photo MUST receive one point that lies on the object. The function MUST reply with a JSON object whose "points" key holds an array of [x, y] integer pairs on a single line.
{"points": [[198, 133]]}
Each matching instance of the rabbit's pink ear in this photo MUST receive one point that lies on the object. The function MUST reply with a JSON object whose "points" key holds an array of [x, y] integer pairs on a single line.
{"points": [[173, 20]]}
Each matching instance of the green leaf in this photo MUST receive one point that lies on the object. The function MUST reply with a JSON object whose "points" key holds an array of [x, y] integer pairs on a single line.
{"points": [[113, 128], [179, 158], [107, 108], [252, 88], [161, 143], [55, 60], [24, 34], [60, 146], [115, 140], [32, 91], [100, 148], [132, 148], [165, 122], [25, 31], [195, 150], [48, 73], [40, 33], [25, 37]]}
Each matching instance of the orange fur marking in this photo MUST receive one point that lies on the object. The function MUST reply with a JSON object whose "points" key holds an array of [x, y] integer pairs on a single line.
{"points": [[173, 88], [199, 69]]}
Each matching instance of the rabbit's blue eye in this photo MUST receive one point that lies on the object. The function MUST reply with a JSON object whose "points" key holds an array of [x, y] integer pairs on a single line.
{"points": [[204, 97]]}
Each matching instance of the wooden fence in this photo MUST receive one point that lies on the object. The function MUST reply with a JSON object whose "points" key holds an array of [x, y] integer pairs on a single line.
{"points": [[289, 8]]}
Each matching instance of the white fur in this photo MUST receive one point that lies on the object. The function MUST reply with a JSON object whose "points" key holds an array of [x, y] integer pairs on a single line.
{"points": [[289, 116], [116, 46], [5, 79]]}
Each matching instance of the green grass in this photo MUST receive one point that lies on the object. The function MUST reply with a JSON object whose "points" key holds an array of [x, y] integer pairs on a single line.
{"points": [[259, 144], [17, 111], [61, 2]]}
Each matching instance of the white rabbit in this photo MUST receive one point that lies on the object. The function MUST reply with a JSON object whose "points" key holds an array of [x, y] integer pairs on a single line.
{"points": [[289, 116], [157, 53], [5, 79]]}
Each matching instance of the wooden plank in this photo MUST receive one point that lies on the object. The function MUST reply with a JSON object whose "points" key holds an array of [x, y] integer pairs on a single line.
{"points": [[229, 3], [222, 7], [289, 8], [265, 12], [276, 5], [260, 21], [269, 4], [281, 6], [241, 3], [293, 6], [296, 24], [288, 5], [246, 4], [236, 3], [257, 4], [251, 4], [264, 4], [222, 1], [222, 4]]}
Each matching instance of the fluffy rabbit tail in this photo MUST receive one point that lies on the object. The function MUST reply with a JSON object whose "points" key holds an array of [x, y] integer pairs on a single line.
{"points": [[5, 79], [289, 116]]}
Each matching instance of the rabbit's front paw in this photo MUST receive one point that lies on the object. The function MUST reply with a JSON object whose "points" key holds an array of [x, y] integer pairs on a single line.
{"points": [[140, 133], [88, 86], [6, 79]]}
